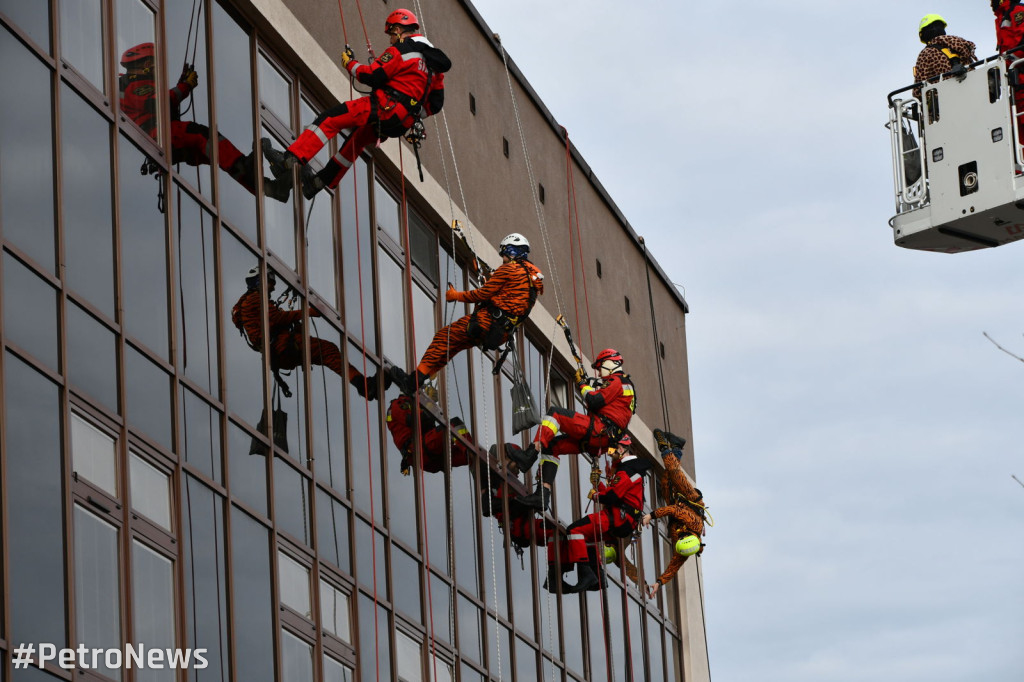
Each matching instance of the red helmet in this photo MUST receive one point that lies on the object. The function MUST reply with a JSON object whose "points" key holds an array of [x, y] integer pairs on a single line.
{"points": [[137, 54], [401, 17], [625, 441], [609, 359]]}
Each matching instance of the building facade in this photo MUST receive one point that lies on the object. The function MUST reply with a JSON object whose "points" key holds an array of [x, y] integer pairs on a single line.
{"points": [[172, 481]]}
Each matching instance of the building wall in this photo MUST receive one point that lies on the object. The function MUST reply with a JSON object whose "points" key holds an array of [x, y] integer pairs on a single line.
{"points": [[152, 490]]}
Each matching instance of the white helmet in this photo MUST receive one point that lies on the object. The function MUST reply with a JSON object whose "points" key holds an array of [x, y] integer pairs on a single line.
{"points": [[514, 246], [252, 278]]}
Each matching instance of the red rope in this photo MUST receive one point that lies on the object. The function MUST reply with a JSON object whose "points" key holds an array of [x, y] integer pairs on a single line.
{"points": [[579, 242], [572, 251]]}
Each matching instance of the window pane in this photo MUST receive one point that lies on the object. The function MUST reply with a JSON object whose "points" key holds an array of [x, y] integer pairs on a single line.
{"points": [[291, 501], [500, 649], [410, 658], [279, 217], [254, 627], [151, 491], [470, 630], [140, 99], [374, 625], [148, 397], [406, 579], [467, 552], [595, 614], [402, 504], [35, 534], [93, 455], [435, 492], [494, 563], [372, 559], [392, 316], [526, 660], [332, 520], [275, 91], [201, 424], [143, 253], [153, 599], [320, 252], [328, 390], [81, 37], [234, 101], [484, 402], [26, 147], [423, 314], [248, 468], [30, 312], [358, 254], [441, 607], [181, 20], [366, 445], [197, 293], [244, 370], [296, 658], [386, 210], [335, 614], [294, 584], [654, 644], [205, 577], [334, 671], [97, 599], [523, 595], [424, 246], [32, 17]]}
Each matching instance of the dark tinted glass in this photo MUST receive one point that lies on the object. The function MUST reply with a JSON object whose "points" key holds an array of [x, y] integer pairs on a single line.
{"points": [[201, 425], [31, 17], [358, 253], [494, 562], [321, 257], [253, 609], [332, 538], [205, 577], [197, 293], [376, 658], [402, 504], [424, 246], [26, 147], [88, 236], [92, 359], [148, 397], [30, 312], [286, 353], [184, 19], [392, 315], [231, 60], [139, 101], [405, 573], [244, 366], [248, 466], [143, 253], [35, 519], [636, 636], [328, 391], [279, 217], [364, 422], [153, 606], [291, 501], [371, 555], [434, 492]]}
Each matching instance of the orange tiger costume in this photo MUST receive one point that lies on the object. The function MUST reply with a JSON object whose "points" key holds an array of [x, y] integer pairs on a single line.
{"points": [[685, 517]]}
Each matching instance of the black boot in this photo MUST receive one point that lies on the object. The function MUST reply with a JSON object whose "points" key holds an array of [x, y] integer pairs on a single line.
{"points": [[523, 459], [279, 188], [586, 580], [668, 441], [539, 500], [281, 163], [311, 182], [407, 383], [554, 578], [489, 502]]}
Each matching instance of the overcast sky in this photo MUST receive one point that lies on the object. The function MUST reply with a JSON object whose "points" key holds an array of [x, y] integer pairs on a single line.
{"points": [[855, 433]]}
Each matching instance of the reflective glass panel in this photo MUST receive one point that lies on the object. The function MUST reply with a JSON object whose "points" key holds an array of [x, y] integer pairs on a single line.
{"points": [[201, 444], [196, 296], [294, 584], [441, 607], [231, 60], [523, 596], [386, 210], [97, 596], [328, 390], [423, 317], [153, 608], [291, 501], [470, 630], [598, 654], [286, 354], [409, 653], [26, 147], [248, 462], [654, 648], [275, 90], [92, 358], [402, 505], [320, 252], [467, 552], [151, 491], [434, 491], [374, 640], [279, 217], [296, 658], [500, 649], [371, 559], [332, 520], [253, 609], [140, 100], [494, 565], [143, 253], [183, 19], [31, 17], [636, 636], [93, 455], [148, 397], [392, 315], [526, 661], [33, 476], [406, 579], [88, 231], [366, 446], [30, 312], [424, 246], [244, 365], [81, 38], [484, 402], [357, 254], [335, 612], [334, 671]]}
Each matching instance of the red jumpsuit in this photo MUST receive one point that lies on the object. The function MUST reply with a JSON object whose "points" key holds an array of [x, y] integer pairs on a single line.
{"points": [[407, 79], [401, 423], [609, 409], [190, 142], [511, 289], [523, 527], [1010, 34], [286, 337]]}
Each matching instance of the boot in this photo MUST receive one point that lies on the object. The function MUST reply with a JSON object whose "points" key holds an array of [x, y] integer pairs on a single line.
{"points": [[538, 501], [279, 188], [406, 383], [523, 459], [489, 503], [554, 578], [243, 170], [586, 580], [668, 441], [311, 182], [281, 163]]}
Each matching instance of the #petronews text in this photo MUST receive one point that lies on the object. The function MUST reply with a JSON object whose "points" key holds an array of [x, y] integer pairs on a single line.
{"points": [[132, 656]]}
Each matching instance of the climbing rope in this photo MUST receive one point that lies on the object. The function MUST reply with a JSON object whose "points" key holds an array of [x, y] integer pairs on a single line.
{"points": [[657, 343], [574, 213]]}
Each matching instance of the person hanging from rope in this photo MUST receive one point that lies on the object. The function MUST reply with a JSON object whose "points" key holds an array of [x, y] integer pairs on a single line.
{"points": [[286, 332], [401, 422], [502, 304], [408, 83], [941, 53], [190, 141], [610, 400], [620, 503], [523, 527], [685, 508]]}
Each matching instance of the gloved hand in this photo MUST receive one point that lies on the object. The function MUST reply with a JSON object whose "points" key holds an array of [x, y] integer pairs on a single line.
{"points": [[592, 494], [189, 77], [452, 294], [347, 57], [595, 476], [581, 375]]}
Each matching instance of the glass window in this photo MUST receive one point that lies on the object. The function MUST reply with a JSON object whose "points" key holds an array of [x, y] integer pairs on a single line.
{"points": [[358, 254], [26, 144], [279, 217], [201, 424], [371, 559], [364, 422], [435, 492], [423, 246], [402, 498], [275, 91], [143, 253], [494, 565], [500, 648], [32, 17], [296, 658], [441, 608], [93, 455], [197, 293], [470, 630], [439, 671], [335, 614], [334, 671], [33, 476], [328, 397], [595, 614], [406, 579], [410, 658], [294, 584], [423, 317], [485, 404], [526, 660], [148, 397], [386, 210], [153, 607], [140, 101], [30, 312], [254, 626], [374, 629], [97, 595], [88, 231], [467, 552], [332, 520], [151, 491], [234, 102], [636, 635], [244, 365], [523, 595], [654, 646], [321, 255], [203, 541], [392, 316], [291, 501], [182, 19], [81, 38], [248, 468]]}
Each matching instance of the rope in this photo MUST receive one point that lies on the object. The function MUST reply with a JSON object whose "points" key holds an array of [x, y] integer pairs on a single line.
{"points": [[579, 242], [657, 343], [193, 16]]}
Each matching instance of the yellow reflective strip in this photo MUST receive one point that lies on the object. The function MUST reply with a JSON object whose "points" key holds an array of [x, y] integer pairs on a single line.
{"points": [[389, 417], [549, 458], [585, 389], [550, 423]]}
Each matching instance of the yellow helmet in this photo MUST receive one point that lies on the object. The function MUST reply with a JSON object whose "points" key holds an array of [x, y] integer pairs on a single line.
{"points": [[928, 20], [688, 545], [610, 555]]}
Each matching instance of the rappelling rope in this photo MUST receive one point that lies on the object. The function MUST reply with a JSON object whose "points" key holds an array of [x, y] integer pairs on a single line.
{"points": [[575, 214]]}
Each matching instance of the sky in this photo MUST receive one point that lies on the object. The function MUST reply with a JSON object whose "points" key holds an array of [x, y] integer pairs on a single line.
{"points": [[854, 432]]}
